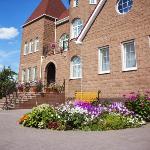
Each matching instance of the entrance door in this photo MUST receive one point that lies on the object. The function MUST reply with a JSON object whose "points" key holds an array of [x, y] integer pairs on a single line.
{"points": [[51, 73]]}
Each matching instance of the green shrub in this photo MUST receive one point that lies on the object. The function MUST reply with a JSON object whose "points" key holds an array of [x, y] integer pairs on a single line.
{"points": [[140, 104], [112, 121], [40, 117]]}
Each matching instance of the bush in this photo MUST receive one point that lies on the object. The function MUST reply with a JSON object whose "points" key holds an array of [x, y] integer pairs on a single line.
{"points": [[113, 121], [39, 117], [139, 103], [39, 86], [82, 116]]}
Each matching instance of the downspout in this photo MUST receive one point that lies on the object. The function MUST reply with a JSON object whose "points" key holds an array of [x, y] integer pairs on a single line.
{"points": [[55, 31], [55, 36], [41, 63]]}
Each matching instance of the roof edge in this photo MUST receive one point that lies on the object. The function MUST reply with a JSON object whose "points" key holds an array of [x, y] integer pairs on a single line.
{"points": [[37, 19], [62, 20], [90, 21]]}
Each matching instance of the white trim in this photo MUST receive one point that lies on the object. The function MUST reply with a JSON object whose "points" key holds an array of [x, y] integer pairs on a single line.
{"points": [[62, 20], [123, 57], [71, 69], [90, 21], [37, 19], [77, 27], [23, 78], [25, 48], [92, 3], [36, 44], [100, 61], [76, 78], [75, 3], [34, 73], [149, 41]]}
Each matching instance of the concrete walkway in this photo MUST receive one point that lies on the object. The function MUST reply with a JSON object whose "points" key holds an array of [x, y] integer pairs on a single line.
{"points": [[16, 137]]}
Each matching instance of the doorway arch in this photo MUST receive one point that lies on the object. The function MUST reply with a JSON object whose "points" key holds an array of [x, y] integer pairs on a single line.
{"points": [[50, 73]]}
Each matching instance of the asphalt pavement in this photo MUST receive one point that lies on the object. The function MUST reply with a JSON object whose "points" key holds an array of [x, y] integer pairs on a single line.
{"points": [[15, 137]]}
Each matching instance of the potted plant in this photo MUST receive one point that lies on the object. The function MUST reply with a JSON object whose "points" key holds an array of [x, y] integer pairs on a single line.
{"points": [[39, 86], [20, 87], [27, 87]]}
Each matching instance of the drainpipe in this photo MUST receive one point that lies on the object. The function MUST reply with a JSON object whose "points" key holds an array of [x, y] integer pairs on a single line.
{"points": [[41, 67], [55, 30], [55, 35]]}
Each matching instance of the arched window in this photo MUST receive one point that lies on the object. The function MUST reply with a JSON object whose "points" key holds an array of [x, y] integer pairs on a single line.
{"points": [[64, 42], [76, 27], [75, 68], [124, 6]]}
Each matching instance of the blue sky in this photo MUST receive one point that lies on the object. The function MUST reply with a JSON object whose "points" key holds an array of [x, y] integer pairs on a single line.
{"points": [[13, 13]]}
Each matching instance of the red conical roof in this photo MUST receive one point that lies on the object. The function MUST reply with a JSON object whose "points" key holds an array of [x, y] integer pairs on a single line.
{"points": [[53, 8]]}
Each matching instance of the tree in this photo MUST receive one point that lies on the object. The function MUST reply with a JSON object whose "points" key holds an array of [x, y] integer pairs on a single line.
{"points": [[7, 82]]}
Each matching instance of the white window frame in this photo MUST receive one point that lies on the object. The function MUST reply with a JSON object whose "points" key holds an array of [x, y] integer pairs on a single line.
{"points": [[26, 48], [76, 27], [100, 71], [75, 3], [23, 75], [72, 67], [29, 74], [92, 2], [62, 40], [31, 46], [124, 68], [37, 45], [149, 41], [34, 76]]}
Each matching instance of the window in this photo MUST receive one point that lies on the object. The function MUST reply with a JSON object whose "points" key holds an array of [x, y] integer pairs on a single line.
{"points": [[76, 27], [23, 75], [75, 68], [26, 48], [37, 42], [64, 42], [29, 74], [124, 6], [104, 64], [92, 1], [149, 40], [75, 3], [34, 74], [31, 46], [129, 56]]}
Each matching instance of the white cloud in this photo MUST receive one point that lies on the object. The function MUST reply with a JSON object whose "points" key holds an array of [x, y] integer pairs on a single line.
{"points": [[6, 53], [8, 33]]}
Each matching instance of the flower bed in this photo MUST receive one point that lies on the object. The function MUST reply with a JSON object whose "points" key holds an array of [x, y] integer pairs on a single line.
{"points": [[82, 116]]}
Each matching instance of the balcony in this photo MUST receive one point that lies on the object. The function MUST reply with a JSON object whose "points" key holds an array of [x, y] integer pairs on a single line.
{"points": [[52, 49]]}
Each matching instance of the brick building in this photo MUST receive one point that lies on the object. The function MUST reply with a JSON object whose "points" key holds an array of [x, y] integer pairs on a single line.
{"points": [[94, 45]]}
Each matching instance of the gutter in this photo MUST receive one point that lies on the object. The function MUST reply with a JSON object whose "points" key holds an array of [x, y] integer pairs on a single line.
{"points": [[90, 21], [38, 18], [62, 20]]}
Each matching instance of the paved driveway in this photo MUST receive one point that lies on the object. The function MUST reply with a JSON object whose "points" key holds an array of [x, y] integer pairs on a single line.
{"points": [[16, 137]]}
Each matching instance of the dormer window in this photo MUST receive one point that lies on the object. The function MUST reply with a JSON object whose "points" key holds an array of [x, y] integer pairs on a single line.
{"points": [[76, 27], [75, 3], [92, 1], [64, 42]]}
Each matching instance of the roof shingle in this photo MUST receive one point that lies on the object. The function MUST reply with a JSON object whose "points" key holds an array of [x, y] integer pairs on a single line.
{"points": [[54, 8]]}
